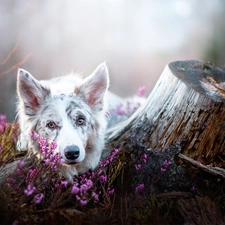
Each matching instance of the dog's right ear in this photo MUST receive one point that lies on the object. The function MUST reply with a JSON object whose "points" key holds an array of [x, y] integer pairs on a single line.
{"points": [[30, 92]]}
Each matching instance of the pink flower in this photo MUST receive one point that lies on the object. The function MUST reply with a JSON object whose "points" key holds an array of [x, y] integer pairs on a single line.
{"points": [[110, 191], [75, 190], [103, 178], [2, 118], [144, 158], [166, 163], [38, 198], [139, 188], [141, 91], [95, 196], [64, 183], [89, 183], [83, 202], [163, 169], [34, 135], [30, 190], [137, 166], [119, 110], [21, 163]]}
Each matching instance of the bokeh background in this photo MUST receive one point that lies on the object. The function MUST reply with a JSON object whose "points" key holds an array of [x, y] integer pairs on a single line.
{"points": [[136, 38]]}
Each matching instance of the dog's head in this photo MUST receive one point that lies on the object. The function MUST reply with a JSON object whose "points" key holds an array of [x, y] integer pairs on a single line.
{"points": [[76, 121]]}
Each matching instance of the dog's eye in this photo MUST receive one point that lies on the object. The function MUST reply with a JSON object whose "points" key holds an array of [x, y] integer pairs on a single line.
{"points": [[80, 121], [51, 125]]}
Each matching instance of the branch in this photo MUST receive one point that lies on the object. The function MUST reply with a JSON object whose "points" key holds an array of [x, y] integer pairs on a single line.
{"points": [[216, 171], [9, 55], [15, 66]]}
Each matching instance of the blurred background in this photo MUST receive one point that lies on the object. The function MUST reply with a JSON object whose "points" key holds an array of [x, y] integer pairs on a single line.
{"points": [[135, 38]]}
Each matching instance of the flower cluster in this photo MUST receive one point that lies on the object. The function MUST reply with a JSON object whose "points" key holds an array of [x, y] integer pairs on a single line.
{"points": [[139, 188], [47, 151], [88, 187], [83, 187], [110, 158], [143, 159], [141, 91], [129, 106], [2, 123], [165, 165]]}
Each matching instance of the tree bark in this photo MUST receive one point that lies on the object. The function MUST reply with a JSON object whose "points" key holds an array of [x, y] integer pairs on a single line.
{"points": [[181, 131], [187, 105]]}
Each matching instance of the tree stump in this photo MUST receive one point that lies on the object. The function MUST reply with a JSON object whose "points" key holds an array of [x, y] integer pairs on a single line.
{"points": [[183, 118], [187, 105]]}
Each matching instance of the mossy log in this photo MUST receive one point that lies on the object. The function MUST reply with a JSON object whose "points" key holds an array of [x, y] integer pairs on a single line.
{"points": [[181, 123]]}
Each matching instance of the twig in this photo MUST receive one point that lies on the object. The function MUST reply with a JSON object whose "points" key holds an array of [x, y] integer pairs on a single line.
{"points": [[213, 170], [15, 66], [173, 194], [10, 53]]}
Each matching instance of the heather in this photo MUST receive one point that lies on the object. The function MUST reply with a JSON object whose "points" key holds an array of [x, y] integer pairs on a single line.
{"points": [[33, 191]]}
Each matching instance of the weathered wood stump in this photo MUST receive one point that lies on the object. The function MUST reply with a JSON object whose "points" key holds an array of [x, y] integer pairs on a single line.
{"points": [[187, 105], [183, 118]]}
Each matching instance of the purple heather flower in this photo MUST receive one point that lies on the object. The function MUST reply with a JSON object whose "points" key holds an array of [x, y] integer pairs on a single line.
{"points": [[0, 149], [2, 118], [38, 198], [193, 188], [34, 135], [30, 190], [64, 183], [119, 110], [166, 163], [83, 202], [141, 91], [75, 190], [83, 188], [110, 191], [89, 183], [137, 166], [103, 178], [32, 173], [95, 196], [139, 188], [99, 172], [144, 158], [21, 163], [163, 169], [78, 197], [53, 145]]}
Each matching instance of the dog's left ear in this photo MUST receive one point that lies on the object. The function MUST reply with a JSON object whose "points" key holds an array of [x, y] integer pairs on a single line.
{"points": [[30, 92], [94, 87]]}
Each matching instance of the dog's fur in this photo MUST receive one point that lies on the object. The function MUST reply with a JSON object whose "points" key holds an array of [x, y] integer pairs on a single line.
{"points": [[68, 110]]}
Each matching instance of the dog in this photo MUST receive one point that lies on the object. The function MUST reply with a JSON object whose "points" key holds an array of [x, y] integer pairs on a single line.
{"points": [[69, 110]]}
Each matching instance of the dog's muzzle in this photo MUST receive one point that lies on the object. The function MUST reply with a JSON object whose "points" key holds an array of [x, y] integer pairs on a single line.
{"points": [[72, 152]]}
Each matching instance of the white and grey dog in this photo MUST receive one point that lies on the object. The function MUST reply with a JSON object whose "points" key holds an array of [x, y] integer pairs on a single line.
{"points": [[68, 110]]}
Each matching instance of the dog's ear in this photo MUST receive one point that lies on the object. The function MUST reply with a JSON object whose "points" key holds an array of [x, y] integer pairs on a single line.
{"points": [[94, 87], [30, 92]]}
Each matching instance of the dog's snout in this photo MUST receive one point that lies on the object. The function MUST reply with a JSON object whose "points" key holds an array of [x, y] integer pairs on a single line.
{"points": [[72, 152]]}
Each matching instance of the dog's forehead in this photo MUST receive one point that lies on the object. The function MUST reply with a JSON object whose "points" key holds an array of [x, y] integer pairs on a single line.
{"points": [[70, 102]]}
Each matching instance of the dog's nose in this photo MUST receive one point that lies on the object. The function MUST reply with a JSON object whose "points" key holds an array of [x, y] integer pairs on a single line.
{"points": [[72, 152]]}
